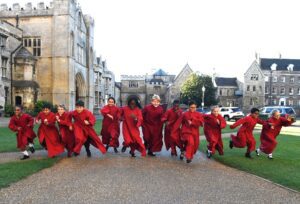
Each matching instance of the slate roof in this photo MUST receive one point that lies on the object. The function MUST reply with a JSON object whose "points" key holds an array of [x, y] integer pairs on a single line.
{"points": [[282, 64], [24, 53], [222, 81], [160, 72], [25, 83]]}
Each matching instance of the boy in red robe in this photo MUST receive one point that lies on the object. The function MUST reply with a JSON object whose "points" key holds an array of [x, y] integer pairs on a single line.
{"points": [[189, 124], [110, 125], [48, 133], [270, 132], [152, 126], [245, 136], [213, 125], [170, 117], [65, 125], [132, 120], [22, 124], [84, 132]]}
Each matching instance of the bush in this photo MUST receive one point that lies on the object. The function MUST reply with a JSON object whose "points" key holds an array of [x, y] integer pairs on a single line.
{"points": [[38, 107], [8, 110]]}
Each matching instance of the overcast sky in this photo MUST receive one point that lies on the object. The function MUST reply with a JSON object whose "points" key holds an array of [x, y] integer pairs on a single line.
{"points": [[139, 36]]}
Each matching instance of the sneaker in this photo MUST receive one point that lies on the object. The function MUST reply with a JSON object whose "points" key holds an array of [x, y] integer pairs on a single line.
{"points": [[208, 154], [230, 144], [188, 161], [181, 156], [31, 149], [248, 155], [75, 154], [24, 157], [88, 153], [270, 156], [123, 149], [257, 152], [132, 154], [116, 150], [151, 154], [107, 146]]}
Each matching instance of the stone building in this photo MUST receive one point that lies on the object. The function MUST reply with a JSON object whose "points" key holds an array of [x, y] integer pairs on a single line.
{"points": [[254, 86], [167, 86], [61, 38], [104, 81], [276, 82], [229, 91]]}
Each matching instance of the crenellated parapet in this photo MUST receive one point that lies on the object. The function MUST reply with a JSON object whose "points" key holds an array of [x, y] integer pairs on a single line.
{"points": [[132, 77]]}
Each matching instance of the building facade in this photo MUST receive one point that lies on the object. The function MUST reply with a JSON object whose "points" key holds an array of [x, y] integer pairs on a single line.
{"points": [[61, 39], [229, 91], [167, 86]]}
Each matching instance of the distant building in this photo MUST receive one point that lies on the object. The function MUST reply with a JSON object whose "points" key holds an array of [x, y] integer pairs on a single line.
{"points": [[229, 91], [273, 81], [167, 86]]}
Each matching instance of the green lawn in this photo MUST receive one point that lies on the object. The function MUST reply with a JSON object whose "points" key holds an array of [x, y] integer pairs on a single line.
{"points": [[8, 142], [283, 169], [14, 171]]}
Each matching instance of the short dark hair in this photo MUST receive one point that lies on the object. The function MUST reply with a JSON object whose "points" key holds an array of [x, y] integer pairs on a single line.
{"points": [[46, 106], [175, 102], [253, 110], [79, 103], [19, 106], [112, 98], [192, 103], [135, 99]]}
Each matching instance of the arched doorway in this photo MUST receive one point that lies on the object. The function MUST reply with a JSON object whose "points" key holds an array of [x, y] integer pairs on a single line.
{"points": [[80, 89], [18, 100]]}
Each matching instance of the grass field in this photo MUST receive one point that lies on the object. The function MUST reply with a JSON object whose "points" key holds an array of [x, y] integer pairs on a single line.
{"points": [[283, 169], [8, 141], [14, 171]]}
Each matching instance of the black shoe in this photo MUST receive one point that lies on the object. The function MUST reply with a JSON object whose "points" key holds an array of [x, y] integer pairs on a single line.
{"points": [[257, 153], [31, 149], [88, 153], [24, 157], [151, 154], [181, 156], [248, 155], [124, 149], [132, 154], [188, 161], [173, 154], [208, 154], [75, 154], [107, 146], [116, 150], [230, 144]]}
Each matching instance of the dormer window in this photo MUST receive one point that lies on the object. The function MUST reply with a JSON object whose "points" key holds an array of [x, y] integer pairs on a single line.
{"points": [[290, 67]]}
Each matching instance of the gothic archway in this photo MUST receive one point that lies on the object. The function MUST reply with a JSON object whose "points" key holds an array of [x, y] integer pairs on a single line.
{"points": [[80, 89]]}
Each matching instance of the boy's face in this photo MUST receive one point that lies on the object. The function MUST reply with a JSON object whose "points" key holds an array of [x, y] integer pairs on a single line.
{"points": [[18, 111], [79, 109], [60, 110], [155, 102], [255, 114], [176, 106], [215, 111], [46, 111], [193, 108], [132, 104], [110, 102]]}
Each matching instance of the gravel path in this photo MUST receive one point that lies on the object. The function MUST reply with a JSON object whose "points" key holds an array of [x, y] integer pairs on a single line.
{"points": [[120, 179]]}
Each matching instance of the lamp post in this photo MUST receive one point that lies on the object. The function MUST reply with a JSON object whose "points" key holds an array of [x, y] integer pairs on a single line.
{"points": [[273, 68], [203, 90]]}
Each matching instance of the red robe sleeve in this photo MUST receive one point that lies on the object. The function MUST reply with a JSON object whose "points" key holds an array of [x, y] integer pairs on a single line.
{"points": [[285, 122], [67, 121], [51, 120], [30, 121], [12, 124], [91, 118], [139, 118], [238, 123], [260, 121], [177, 125], [197, 120], [165, 116], [105, 110], [222, 122]]}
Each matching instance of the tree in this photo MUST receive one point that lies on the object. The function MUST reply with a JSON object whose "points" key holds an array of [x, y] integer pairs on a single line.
{"points": [[192, 90]]}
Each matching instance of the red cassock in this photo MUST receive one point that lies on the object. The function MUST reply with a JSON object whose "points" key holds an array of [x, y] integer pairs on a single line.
{"points": [[83, 132], [131, 132], [172, 140], [152, 127], [26, 134], [110, 127], [67, 136], [48, 134], [245, 133], [189, 132], [269, 133], [213, 132]]}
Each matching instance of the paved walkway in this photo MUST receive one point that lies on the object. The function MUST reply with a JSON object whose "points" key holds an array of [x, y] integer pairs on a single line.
{"points": [[118, 178]]}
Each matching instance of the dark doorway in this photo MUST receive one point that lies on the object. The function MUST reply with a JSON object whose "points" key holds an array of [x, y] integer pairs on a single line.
{"points": [[18, 100]]}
